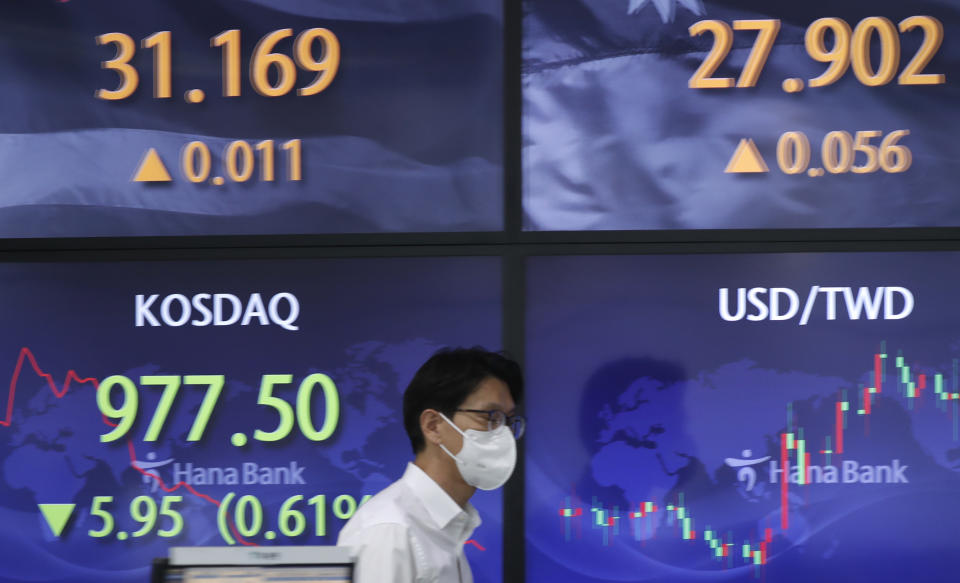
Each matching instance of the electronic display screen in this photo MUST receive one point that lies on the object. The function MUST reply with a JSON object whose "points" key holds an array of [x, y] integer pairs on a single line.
{"points": [[242, 402], [739, 114], [259, 575], [250, 117], [743, 418]]}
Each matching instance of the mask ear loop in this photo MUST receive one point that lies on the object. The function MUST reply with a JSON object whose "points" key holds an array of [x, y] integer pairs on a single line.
{"points": [[451, 423], [443, 447]]}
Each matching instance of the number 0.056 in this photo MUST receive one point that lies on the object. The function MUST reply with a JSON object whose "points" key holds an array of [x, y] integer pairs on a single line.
{"points": [[839, 152]]}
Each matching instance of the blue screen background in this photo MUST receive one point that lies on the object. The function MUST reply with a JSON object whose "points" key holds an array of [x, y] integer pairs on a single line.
{"points": [[639, 391], [614, 139], [407, 137], [367, 323]]}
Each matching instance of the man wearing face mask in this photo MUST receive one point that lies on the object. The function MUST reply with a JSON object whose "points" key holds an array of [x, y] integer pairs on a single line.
{"points": [[459, 413]]}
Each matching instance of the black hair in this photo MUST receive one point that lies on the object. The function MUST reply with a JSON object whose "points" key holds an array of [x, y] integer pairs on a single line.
{"points": [[448, 378]]}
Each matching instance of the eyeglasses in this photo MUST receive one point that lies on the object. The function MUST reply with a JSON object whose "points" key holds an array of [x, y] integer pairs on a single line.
{"points": [[497, 418]]}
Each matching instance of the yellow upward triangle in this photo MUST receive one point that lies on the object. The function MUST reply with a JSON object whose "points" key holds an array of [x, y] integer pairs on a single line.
{"points": [[151, 169], [747, 159]]}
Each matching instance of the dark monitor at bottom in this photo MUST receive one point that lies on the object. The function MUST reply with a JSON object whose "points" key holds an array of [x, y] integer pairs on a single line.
{"points": [[255, 565]]}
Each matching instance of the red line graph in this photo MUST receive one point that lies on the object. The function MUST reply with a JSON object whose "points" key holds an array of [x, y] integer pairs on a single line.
{"points": [[26, 355]]}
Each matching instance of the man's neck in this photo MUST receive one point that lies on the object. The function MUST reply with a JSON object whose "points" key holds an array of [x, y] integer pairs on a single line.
{"points": [[451, 481]]}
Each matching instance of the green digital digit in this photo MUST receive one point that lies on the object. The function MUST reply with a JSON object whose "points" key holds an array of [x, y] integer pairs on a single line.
{"points": [[215, 384], [126, 413], [338, 509], [170, 384], [320, 503], [148, 518], [332, 400], [240, 516], [286, 513], [96, 510], [283, 408], [166, 510]]}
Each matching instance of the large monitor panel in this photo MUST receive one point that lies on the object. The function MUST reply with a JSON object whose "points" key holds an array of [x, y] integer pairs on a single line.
{"points": [[739, 114], [247, 117], [257, 402], [743, 418]]}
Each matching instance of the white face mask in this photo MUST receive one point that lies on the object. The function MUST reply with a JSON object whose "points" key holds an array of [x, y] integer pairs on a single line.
{"points": [[487, 457]]}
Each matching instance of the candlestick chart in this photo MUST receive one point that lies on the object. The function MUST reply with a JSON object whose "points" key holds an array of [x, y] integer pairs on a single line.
{"points": [[799, 462]]}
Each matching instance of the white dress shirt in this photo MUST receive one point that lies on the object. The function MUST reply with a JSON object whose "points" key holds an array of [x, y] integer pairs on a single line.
{"points": [[411, 532]]}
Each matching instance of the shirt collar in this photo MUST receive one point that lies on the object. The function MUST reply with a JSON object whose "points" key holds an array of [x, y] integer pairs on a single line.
{"points": [[440, 506]]}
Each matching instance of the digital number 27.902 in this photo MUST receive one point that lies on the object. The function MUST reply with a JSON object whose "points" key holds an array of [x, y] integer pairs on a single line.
{"points": [[850, 47]]}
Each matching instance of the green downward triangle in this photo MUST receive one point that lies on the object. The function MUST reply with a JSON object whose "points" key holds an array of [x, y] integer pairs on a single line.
{"points": [[57, 515]]}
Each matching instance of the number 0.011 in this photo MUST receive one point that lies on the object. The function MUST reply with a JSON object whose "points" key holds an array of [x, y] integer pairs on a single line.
{"points": [[239, 160]]}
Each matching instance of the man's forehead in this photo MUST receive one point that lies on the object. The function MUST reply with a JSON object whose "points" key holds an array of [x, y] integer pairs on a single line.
{"points": [[491, 394], [491, 405]]}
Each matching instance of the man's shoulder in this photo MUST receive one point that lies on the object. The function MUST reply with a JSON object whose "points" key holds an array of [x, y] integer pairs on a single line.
{"points": [[391, 502], [392, 505]]}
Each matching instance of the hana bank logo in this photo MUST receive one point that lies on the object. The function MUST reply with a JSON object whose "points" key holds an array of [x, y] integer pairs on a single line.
{"points": [[747, 474], [151, 466], [245, 473], [848, 471]]}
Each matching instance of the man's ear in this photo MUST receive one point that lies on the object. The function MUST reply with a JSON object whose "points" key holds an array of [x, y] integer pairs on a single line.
{"points": [[430, 422]]}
